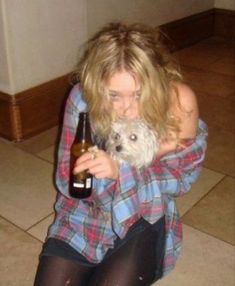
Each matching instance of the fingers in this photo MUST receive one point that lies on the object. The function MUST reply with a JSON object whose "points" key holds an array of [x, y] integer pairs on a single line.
{"points": [[85, 162], [93, 150], [90, 161], [101, 165]]}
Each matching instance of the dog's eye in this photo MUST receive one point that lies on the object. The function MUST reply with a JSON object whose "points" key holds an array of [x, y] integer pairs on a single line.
{"points": [[133, 137], [116, 136]]}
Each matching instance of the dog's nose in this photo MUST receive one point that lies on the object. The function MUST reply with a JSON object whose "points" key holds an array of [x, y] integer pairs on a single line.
{"points": [[118, 148]]}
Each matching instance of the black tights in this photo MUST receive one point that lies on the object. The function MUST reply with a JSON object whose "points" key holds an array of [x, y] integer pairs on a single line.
{"points": [[133, 264]]}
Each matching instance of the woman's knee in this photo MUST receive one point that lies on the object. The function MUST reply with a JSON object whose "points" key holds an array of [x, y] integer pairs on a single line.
{"points": [[57, 271]]}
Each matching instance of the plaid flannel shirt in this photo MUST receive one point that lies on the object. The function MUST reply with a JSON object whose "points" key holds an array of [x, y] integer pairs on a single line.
{"points": [[91, 225]]}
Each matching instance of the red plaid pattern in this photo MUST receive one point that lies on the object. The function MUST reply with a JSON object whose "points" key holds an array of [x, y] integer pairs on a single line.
{"points": [[91, 225]]}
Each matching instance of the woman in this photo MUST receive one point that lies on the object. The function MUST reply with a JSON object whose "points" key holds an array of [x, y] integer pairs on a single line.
{"points": [[128, 232]]}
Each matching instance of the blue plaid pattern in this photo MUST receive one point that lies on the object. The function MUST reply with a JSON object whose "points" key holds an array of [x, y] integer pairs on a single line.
{"points": [[91, 225]]}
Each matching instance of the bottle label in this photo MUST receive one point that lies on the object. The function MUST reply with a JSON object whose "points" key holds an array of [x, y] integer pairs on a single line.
{"points": [[88, 183], [78, 185]]}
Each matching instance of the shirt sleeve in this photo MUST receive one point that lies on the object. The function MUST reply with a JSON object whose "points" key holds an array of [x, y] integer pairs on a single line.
{"points": [[177, 171], [142, 192], [172, 174]]}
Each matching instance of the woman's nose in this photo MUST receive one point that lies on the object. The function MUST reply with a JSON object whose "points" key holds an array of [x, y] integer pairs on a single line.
{"points": [[127, 105]]}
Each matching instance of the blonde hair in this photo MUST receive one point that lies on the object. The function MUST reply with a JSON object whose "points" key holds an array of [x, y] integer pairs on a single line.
{"points": [[138, 50]]}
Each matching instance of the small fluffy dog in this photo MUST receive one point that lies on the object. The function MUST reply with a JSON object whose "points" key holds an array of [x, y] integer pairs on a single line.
{"points": [[132, 142]]}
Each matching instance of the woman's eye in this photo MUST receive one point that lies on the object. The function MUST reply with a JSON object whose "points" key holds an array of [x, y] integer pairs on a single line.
{"points": [[113, 96], [133, 137]]}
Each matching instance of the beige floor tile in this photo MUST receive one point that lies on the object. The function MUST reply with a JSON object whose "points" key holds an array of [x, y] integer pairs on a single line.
{"points": [[19, 256], [196, 56], [205, 261], [27, 193], [215, 213], [206, 53], [221, 152], [48, 154], [213, 83], [223, 65], [218, 46], [217, 111], [216, 42], [39, 142], [39, 230], [207, 180]]}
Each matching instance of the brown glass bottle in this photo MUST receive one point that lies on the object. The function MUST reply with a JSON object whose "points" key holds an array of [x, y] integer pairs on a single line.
{"points": [[80, 185]]}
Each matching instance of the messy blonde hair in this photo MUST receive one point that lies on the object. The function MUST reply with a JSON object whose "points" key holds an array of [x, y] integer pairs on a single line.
{"points": [[138, 50]]}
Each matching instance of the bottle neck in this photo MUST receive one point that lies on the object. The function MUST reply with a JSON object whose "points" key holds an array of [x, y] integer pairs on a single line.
{"points": [[84, 130]]}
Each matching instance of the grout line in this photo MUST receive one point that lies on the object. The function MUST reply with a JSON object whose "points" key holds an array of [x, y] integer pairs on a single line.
{"points": [[36, 154], [19, 228], [33, 225], [205, 195], [219, 172], [209, 234], [45, 160], [192, 226]]}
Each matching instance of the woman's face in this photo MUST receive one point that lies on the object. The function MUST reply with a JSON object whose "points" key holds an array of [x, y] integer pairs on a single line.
{"points": [[124, 93]]}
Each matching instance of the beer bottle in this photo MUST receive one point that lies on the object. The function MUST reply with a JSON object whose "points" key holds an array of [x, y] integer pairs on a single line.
{"points": [[80, 185]]}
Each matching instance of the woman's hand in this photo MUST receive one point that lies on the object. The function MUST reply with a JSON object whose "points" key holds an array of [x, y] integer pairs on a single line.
{"points": [[101, 165]]}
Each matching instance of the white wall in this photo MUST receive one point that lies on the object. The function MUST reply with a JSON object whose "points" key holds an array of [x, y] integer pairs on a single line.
{"points": [[4, 61], [41, 40], [152, 12], [225, 4]]}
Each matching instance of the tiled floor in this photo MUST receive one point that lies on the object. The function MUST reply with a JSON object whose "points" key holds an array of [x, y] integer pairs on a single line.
{"points": [[27, 192]]}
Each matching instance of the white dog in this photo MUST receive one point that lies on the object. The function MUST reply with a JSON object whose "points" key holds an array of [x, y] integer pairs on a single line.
{"points": [[132, 142]]}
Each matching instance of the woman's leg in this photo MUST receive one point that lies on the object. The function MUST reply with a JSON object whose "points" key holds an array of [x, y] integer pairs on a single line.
{"points": [[58, 271], [135, 263]]}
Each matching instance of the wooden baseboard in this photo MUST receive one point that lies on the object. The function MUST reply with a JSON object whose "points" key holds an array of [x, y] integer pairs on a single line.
{"points": [[37, 109], [34, 110], [5, 116], [189, 30], [224, 23]]}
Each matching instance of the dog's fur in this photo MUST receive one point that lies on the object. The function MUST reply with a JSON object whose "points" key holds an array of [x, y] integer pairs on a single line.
{"points": [[132, 142]]}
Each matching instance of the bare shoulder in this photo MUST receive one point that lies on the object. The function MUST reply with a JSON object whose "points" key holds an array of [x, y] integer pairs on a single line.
{"points": [[184, 107], [183, 97]]}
